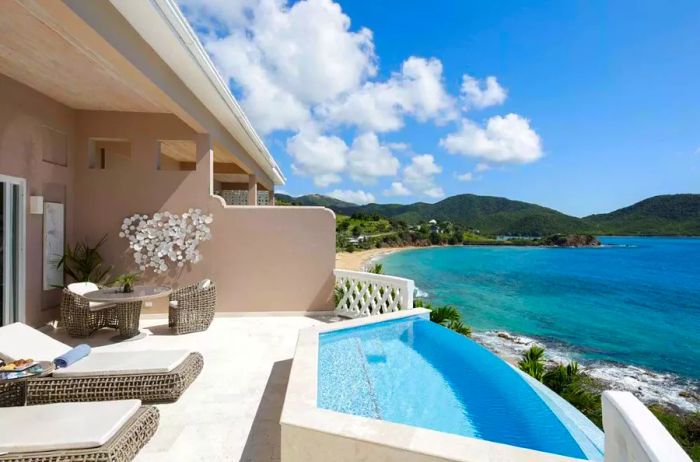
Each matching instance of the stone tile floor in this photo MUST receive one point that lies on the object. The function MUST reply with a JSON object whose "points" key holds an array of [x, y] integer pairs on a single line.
{"points": [[231, 412]]}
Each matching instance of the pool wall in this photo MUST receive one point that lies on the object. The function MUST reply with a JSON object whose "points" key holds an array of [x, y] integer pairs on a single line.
{"points": [[311, 434]]}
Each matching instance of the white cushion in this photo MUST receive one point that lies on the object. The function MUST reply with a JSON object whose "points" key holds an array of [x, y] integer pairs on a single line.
{"points": [[97, 306], [173, 303], [204, 285], [125, 362], [19, 341], [63, 426], [81, 288]]}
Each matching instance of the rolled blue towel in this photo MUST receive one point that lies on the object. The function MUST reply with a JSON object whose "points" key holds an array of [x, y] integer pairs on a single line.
{"points": [[72, 355]]}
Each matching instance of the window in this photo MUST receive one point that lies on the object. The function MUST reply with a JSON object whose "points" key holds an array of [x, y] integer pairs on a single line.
{"points": [[177, 155]]}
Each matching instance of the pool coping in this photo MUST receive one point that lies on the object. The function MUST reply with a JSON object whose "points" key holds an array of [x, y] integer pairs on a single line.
{"points": [[300, 411]]}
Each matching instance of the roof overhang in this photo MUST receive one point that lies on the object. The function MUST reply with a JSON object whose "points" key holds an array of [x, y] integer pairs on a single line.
{"points": [[162, 25]]}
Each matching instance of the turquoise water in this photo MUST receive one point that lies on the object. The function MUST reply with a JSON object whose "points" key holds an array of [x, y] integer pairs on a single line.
{"points": [[634, 301], [415, 372]]}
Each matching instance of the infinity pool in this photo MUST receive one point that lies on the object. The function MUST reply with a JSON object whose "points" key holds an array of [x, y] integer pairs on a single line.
{"points": [[415, 372]]}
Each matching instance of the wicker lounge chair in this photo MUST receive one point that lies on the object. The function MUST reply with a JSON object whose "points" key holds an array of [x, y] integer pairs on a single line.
{"points": [[82, 317], [192, 307], [151, 376], [76, 432]]}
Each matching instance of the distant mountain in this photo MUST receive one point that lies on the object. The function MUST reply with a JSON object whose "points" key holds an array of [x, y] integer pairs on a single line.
{"points": [[661, 215], [490, 215], [677, 214], [313, 199]]}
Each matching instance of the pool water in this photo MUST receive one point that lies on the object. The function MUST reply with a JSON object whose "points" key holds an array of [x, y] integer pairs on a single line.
{"points": [[415, 372]]}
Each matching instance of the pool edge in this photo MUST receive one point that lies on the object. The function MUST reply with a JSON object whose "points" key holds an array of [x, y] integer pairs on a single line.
{"points": [[313, 434]]}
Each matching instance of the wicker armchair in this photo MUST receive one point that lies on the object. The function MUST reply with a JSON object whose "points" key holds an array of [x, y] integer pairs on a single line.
{"points": [[192, 307], [82, 317]]}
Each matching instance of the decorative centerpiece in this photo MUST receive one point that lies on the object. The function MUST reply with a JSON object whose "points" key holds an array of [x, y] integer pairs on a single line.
{"points": [[166, 238], [126, 282]]}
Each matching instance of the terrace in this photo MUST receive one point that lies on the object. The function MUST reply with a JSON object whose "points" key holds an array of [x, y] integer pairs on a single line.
{"points": [[112, 109]]}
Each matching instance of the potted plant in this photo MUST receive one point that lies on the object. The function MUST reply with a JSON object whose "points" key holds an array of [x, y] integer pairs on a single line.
{"points": [[126, 282]]}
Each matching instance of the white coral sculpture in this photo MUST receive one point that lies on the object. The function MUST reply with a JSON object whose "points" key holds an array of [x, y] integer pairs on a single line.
{"points": [[166, 238]]}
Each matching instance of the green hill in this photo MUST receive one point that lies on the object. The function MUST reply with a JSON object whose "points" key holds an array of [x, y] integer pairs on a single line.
{"points": [[677, 214], [312, 199], [490, 215], [661, 215]]}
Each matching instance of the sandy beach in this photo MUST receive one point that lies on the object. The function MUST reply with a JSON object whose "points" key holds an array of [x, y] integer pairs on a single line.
{"points": [[361, 259]]}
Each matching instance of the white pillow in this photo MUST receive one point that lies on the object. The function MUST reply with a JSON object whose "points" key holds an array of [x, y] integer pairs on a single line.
{"points": [[81, 288]]}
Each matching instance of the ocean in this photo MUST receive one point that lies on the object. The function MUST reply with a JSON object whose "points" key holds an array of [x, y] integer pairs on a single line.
{"points": [[628, 311]]}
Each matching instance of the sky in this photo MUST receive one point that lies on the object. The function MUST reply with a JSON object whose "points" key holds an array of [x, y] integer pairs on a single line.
{"points": [[582, 106]]}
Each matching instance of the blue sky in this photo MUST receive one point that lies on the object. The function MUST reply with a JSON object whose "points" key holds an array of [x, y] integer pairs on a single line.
{"points": [[584, 107]]}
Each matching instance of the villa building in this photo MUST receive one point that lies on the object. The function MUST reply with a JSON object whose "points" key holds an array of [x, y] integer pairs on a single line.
{"points": [[112, 108]]}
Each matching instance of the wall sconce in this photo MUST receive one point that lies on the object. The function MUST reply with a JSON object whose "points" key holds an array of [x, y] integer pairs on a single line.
{"points": [[36, 205]]}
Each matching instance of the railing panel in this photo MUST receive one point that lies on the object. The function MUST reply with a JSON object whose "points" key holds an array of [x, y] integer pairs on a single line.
{"points": [[366, 294]]}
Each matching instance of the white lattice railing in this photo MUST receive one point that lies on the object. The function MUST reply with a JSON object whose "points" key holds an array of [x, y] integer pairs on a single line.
{"points": [[365, 294]]}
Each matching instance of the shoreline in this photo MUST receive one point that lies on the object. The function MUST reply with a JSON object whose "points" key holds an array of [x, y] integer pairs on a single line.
{"points": [[681, 393], [360, 260]]}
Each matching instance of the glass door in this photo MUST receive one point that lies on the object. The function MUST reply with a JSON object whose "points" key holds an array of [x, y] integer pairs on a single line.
{"points": [[12, 248]]}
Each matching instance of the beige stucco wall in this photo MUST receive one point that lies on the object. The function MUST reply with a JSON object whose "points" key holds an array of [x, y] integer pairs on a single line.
{"points": [[24, 114], [262, 258]]}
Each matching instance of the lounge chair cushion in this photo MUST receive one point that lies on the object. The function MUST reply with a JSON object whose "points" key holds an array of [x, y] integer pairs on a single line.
{"points": [[123, 362], [63, 426], [19, 341]]}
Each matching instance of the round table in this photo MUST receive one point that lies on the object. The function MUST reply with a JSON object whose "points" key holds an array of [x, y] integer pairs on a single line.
{"points": [[128, 304], [13, 391]]}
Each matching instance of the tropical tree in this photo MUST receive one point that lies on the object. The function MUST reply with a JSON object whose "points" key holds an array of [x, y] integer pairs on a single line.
{"points": [[532, 362], [444, 314], [377, 268]]}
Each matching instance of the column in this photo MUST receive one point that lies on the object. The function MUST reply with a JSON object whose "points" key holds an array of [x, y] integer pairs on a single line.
{"points": [[252, 190]]}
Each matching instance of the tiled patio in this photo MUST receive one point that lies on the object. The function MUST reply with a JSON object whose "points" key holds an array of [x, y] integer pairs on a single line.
{"points": [[231, 412]]}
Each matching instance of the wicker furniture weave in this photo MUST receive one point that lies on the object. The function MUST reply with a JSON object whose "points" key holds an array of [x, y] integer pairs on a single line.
{"points": [[150, 388], [122, 447], [79, 320], [192, 308], [12, 394], [128, 315]]}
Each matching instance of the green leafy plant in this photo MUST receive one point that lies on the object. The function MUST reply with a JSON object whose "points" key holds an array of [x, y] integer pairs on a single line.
{"points": [[459, 327], [377, 268], [338, 294], [532, 362], [126, 282], [83, 263], [445, 314]]}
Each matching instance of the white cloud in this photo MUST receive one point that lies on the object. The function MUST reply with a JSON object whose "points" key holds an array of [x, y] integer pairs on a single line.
{"points": [[419, 176], [417, 90], [369, 160], [356, 197], [480, 95], [322, 157], [482, 167], [284, 58], [399, 146], [508, 139], [468, 176], [397, 189]]}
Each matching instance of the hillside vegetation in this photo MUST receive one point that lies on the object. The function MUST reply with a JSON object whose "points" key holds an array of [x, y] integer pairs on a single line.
{"points": [[677, 214], [496, 216]]}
